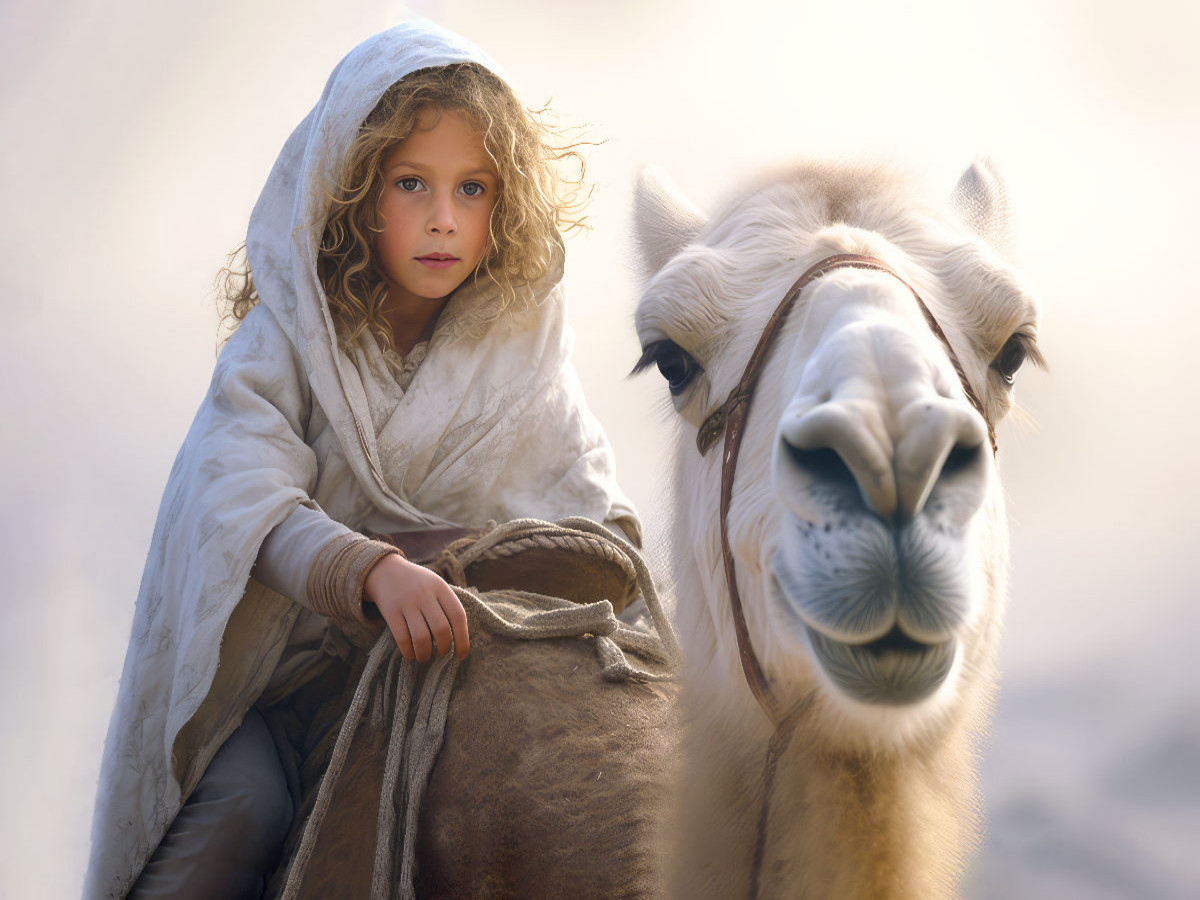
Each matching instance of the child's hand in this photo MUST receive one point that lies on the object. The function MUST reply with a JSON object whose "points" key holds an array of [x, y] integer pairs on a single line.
{"points": [[419, 608]]}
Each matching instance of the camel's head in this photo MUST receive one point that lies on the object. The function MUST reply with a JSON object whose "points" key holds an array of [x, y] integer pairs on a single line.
{"points": [[866, 517]]}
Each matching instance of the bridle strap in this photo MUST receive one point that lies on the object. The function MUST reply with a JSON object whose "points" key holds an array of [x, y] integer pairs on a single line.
{"points": [[730, 418]]}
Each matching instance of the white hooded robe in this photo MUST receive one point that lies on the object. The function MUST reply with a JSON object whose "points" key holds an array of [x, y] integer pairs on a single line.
{"points": [[493, 426]]}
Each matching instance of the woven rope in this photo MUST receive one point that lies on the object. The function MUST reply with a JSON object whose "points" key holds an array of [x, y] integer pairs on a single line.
{"points": [[413, 748]]}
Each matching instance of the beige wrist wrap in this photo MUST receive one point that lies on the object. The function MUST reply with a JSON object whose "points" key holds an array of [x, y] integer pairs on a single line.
{"points": [[338, 574]]}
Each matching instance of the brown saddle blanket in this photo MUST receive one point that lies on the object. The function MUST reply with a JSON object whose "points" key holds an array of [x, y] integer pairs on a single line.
{"points": [[486, 748]]}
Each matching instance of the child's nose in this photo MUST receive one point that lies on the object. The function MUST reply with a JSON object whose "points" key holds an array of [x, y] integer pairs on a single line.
{"points": [[441, 218]]}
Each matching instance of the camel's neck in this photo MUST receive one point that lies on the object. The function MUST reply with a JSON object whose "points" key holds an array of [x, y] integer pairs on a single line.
{"points": [[865, 826], [882, 827]]}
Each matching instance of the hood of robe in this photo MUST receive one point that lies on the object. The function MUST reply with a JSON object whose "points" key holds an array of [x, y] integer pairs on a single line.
{"points": [[403, 463]]}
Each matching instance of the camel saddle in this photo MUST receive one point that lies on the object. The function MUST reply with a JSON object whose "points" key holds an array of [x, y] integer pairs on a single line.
{"points": [[534, 560]]}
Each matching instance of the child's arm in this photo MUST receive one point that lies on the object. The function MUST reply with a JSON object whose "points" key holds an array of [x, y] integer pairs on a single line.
{"points": [[328, 568], [286, 556], [419, 608]]}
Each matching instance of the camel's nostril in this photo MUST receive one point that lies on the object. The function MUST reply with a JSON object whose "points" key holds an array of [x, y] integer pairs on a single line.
{"points": [[960, 458], [822, 464]]}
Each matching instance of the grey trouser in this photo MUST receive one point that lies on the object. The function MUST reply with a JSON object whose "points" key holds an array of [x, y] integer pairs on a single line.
{"points": [[228, 838]]}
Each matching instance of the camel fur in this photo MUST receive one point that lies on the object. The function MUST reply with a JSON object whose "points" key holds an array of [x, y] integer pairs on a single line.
{"points": [[867, 519]]}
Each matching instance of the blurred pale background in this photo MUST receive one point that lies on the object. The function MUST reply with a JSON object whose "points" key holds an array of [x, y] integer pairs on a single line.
{"points": [[135, 136]]}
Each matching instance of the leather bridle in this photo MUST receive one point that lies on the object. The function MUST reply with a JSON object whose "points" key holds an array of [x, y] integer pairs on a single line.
{"points": [[730, 418]]}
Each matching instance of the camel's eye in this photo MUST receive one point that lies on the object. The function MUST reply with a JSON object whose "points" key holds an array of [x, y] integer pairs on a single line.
{"points": [[675, 364], [1011, 356]]}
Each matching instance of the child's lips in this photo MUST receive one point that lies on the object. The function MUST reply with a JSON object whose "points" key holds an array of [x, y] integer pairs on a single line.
{"points": [[437, 260]]}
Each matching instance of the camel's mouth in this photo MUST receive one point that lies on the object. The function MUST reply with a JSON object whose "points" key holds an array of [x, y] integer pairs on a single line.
{"points": [[894, 670]]}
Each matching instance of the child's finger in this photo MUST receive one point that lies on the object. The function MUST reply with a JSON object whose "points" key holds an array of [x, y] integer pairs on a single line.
{"points": [[439, 625], [457, 617], [421, 638], [403, 639]]}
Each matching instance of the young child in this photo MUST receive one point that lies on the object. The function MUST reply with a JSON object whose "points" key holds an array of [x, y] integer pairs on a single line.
{"points": [[401, 363]]}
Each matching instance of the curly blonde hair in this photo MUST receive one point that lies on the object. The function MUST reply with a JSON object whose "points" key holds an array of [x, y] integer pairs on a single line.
{"points": [[536, 199]]}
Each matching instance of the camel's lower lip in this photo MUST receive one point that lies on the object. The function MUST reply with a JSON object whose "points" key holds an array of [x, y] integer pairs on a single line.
{"points": [[891, 671]]}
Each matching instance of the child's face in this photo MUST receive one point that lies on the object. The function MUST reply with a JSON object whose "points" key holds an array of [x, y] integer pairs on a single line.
{"points": [[440, 186]]}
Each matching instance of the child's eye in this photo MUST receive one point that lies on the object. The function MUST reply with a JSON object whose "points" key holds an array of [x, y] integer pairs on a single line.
{"points": [[472, 189], [409, 184]]}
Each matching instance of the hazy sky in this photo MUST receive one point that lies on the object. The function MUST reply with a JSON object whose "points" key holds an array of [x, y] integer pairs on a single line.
{"points": [[137, 134]]}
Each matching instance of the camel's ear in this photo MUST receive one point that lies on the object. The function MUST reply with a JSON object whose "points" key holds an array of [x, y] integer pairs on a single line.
{"points": [[664, 219], [981, 201]]}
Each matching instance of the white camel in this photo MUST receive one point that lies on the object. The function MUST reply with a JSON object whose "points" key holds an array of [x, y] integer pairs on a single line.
{"points": [[866, 522]]}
